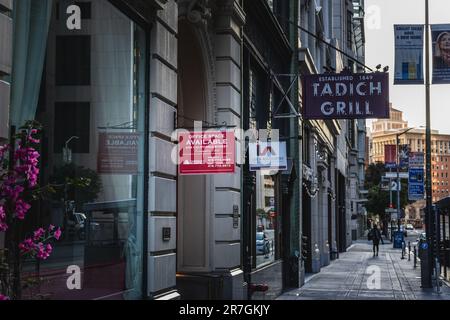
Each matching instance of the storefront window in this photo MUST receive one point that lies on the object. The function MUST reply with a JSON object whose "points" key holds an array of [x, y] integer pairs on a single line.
{"points": [[266, 218], [92, 107]]}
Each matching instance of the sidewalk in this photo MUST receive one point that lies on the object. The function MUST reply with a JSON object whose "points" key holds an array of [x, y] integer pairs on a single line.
{"points": [[346, 278]]}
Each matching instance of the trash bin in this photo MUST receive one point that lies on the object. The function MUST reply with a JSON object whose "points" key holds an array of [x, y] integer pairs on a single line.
{"points": [[399, 238]]}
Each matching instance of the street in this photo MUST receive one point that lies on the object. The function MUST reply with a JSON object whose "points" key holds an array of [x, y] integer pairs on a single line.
{"points": [[347, 277]]}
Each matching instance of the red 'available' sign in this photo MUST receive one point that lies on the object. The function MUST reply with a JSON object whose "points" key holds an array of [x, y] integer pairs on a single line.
{"points": [[206, 152]]}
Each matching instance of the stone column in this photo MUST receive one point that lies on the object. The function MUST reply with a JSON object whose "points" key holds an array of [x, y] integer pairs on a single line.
{"points": [[228, 20], [161, 255]]}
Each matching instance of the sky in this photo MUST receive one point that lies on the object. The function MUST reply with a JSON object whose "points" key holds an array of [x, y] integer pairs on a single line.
{"points": [[381, 15]]}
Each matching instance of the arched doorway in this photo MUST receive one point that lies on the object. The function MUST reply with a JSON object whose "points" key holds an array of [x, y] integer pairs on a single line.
{"points": [[193, 199]]}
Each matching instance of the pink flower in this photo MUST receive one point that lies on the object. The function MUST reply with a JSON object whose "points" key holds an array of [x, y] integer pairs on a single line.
{"points": [[21, 209], [43, 252], [38, 234], [3, 225], [51, 228], [3, 298], [57, 234], [27, 246]]}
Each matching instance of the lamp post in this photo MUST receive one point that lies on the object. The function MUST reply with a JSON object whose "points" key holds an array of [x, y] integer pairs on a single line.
{"points": [[398, 176], [426, 279]]}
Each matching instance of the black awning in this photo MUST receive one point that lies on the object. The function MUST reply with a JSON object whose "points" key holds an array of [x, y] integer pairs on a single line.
{"points": [[443, 203]]}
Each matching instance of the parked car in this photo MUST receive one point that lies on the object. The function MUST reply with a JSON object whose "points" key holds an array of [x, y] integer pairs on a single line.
{"points": [[262, 244], [409, 227]]}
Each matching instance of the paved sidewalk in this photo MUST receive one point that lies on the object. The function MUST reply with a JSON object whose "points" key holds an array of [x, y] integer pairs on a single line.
{"points": [[346, 278]]}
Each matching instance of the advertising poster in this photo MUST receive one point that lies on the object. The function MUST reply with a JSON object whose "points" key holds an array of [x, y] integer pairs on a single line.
{"points": [[267, 156], [346, 96], [416, 184], [416, 159], [409, 44], [404, 156], [118, 153], [440, 36], [202, 153]]}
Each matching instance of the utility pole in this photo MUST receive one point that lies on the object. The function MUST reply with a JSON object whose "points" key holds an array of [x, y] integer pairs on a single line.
{"points": [[429, 228], [398, 183]]}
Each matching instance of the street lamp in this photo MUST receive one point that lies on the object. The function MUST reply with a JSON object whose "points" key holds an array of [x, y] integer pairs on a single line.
{"points": [[67, 153], [398, 175]]}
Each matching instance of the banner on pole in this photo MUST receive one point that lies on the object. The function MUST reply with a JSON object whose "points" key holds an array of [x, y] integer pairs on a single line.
{"points": [[404, 156], [409, 54], [440, 35], [390, 156]]}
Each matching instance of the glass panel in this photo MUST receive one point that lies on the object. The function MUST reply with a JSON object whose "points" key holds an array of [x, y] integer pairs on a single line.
{"points": [[266, 218], [92, 108]]}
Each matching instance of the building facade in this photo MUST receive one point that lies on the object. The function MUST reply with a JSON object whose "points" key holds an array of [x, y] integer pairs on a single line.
{"points": [[5, 63], [384, 133], [333, 151], [112, 81]]}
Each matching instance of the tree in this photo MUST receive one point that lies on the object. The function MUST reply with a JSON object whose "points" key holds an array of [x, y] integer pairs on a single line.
{"points": [[378, 199]]}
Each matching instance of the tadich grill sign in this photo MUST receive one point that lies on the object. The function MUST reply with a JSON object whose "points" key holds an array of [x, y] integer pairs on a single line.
{"points": [[346, 96]]}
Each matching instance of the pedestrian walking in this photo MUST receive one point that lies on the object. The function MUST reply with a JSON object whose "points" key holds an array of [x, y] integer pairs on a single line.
{"points": [[375, 236]]}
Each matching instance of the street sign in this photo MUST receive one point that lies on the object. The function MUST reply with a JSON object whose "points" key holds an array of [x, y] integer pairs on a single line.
{"points": [[416, 159], [416, 175], [395, 185], [393, 175], [390, 186], [415, 184], [390, 210]]}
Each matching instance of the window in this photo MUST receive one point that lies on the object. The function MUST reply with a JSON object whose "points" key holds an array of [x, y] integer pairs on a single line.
{"points": [[73, 60], [72, 119], [267, 219], [102, 215], [349, 29]]}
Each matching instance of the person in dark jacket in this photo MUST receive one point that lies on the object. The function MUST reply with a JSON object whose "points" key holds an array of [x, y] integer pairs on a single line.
{"points": [[375, 236]]}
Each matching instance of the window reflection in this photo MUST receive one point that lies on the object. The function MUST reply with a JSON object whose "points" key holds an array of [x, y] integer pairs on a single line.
{"points": [[266, 218], [92, 107]]}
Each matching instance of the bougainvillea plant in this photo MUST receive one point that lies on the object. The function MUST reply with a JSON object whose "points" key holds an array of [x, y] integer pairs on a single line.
{"points": [[19, 173]]}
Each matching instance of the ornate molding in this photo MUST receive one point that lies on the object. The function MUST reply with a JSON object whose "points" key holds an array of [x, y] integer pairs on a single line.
{"points": [[195, 11]]}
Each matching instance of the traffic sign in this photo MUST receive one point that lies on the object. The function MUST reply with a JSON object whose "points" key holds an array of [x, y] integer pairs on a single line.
{"points": [[415, 184], [416, 159], [390, 185], [393, 175]]}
